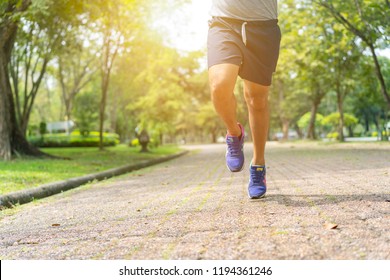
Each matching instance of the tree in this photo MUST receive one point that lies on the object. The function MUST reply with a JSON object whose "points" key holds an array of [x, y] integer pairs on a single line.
{"points": [[367, 102], [290, 92], [314, 66], [47, 106], [206, 120], [309, 33], [334, 120], [343, 63], [117, 22], [12, 140], [369, 21], [14, 14], [29, 60], [319, 56], [124, 90], [165, 101], [76, 68], [85, 112], [304, 122]]}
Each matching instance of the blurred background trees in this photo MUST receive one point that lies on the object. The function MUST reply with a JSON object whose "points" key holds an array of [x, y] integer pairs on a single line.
{"points": [[330, 62], [108, 67]]}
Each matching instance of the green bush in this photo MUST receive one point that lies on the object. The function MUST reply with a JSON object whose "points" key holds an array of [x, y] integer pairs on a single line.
{"points": [[334, 120], [304, 121], [153, 143], [332, 135], [134, 142], [375, 133], [74, 140], [358, 131]]}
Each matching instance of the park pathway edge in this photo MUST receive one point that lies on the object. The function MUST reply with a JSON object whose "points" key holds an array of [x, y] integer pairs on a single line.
{"points": [[29, 195]]}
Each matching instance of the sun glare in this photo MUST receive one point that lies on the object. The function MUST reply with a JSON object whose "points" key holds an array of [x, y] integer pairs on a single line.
{"points": [[186, 27]]}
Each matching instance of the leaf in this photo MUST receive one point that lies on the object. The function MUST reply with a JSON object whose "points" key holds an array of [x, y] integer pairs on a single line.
{"points": [[328, 225], [55, 225]]}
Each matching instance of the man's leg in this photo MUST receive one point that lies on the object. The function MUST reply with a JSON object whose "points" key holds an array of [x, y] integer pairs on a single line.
{"points": [[222, 79], [256, 97]]}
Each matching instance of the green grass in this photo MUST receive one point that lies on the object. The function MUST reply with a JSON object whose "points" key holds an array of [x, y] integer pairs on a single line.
{"points": [[23, 173]]}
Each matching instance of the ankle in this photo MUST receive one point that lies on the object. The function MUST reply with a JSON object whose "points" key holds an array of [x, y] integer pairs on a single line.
{"points": [[256, 162], [235, 131]]}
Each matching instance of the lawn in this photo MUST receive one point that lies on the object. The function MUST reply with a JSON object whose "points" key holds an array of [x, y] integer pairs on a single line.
{"points": [[23, 173]]}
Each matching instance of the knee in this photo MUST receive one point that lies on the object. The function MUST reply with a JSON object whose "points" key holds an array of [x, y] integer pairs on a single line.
{"points": [[218, 89], [257, 101]]}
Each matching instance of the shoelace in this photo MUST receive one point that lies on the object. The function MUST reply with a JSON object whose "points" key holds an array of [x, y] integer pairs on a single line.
{"points": [[234, 147], [257, 177]]}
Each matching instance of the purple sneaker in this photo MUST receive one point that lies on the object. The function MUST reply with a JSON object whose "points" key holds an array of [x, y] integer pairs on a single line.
{"points": [[235, 151], [257, 182]]}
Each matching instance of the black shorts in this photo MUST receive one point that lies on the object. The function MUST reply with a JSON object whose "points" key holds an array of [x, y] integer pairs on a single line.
{"points": [[257, 58]]}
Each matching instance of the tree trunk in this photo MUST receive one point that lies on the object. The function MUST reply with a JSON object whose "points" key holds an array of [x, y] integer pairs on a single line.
{"points": [[366, 123], [114, 113], [299, 132], [380, 75], [214, 136], [29, 103], [102, 110], [311, 132], [110, 51], [71, 88], [161, 138], [341, 111], [350, 131], [285, 128], [5, 129], [12, 141]]}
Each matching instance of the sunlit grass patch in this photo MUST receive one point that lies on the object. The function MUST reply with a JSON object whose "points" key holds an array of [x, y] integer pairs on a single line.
{"points": [[23, 173]]}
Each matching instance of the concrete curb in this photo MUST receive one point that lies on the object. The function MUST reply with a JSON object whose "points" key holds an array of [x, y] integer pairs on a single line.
{"points": [[25, 196]]}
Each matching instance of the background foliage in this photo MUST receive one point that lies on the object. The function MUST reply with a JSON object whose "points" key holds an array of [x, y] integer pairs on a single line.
{"points": [[104, 65]]}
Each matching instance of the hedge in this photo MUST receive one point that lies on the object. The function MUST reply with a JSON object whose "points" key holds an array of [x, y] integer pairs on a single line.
{"points": [[74, 140]]}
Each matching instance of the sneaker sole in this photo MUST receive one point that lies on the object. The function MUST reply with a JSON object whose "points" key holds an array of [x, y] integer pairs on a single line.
{"points": [[234, 171], [256, 197]]}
